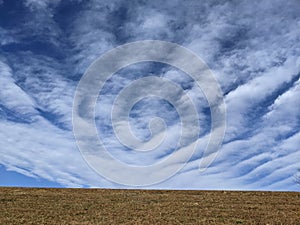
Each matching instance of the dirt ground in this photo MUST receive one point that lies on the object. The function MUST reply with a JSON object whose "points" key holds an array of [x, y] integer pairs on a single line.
{"points": [[103, 206]]}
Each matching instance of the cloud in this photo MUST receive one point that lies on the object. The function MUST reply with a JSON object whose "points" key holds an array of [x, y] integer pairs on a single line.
{"points": [[12, 96], [252, 47], [41, 4]]}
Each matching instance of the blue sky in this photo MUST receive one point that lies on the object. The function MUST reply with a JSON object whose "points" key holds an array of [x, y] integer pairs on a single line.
{"points": [[252, 47]]}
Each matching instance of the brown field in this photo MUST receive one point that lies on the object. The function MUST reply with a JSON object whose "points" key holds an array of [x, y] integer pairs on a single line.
{"points": [[100, 206]]}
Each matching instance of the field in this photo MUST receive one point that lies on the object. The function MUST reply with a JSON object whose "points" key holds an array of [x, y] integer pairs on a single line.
{"points": [[100, 206]]}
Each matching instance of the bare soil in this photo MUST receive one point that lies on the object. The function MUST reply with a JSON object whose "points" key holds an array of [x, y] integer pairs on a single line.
{"points": [[104, 206]]}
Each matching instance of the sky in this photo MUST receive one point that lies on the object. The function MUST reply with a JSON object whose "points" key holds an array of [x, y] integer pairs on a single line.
{"points": [[252, 48]]}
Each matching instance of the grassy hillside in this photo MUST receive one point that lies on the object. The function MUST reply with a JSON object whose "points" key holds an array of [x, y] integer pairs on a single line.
{"points": [[98, 206]]}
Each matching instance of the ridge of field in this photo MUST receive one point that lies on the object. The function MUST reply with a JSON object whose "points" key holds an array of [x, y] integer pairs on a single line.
{"points": [[107, 206]]}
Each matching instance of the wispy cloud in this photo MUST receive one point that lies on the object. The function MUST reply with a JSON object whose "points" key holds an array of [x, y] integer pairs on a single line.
{"points": [[252, 47]]}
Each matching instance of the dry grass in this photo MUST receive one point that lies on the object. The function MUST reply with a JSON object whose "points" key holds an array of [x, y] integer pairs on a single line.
{"points": [[98, 206]]}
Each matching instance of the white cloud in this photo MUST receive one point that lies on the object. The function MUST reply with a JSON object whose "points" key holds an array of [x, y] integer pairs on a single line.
{"points": [[252, 47]]}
